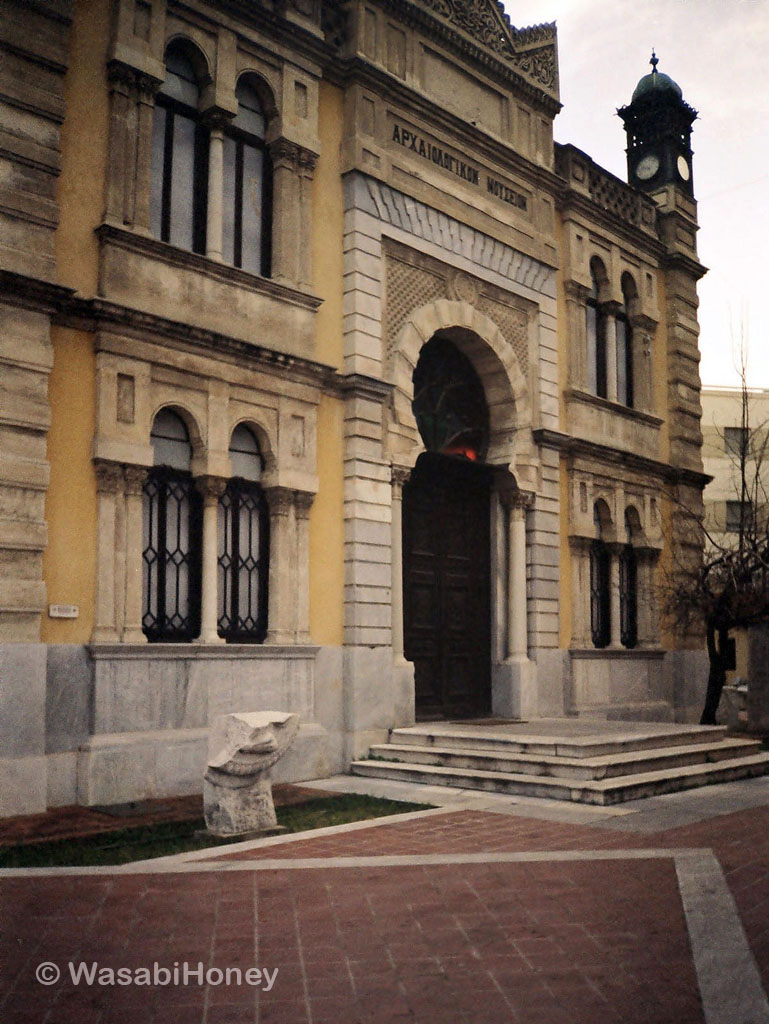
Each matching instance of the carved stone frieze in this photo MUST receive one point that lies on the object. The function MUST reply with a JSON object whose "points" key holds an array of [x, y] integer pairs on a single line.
{"points": [[487, 23]]}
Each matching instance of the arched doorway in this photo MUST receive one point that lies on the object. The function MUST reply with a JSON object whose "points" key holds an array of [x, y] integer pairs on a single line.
{"points": [[446, 538]]}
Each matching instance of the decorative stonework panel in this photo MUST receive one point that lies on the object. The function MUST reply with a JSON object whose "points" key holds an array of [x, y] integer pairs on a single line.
{"points": [[514, 324], [407, 288]]}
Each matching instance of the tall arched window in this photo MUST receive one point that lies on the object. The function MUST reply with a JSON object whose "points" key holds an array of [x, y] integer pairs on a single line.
{"points": [[246, 213], [625, 345], [179, 156], [244, 545], [600, 584], [628, 584], [596, 336], [172, 514]]}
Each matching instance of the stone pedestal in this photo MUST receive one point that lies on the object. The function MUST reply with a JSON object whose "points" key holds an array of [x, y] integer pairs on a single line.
{"points": [[237, 789], [758, 679]]}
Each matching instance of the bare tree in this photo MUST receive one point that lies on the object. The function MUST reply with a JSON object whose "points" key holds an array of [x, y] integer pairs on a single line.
{"points": [[729, 587]]}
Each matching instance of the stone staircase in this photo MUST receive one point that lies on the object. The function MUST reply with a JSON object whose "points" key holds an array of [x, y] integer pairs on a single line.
{"points": [[565, 759]]}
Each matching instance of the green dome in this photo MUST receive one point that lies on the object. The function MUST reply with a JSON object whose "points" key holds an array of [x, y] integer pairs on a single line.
{"points": [[656, 83]]}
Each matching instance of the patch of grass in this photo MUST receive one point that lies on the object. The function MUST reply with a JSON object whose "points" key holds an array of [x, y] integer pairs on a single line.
{"points": [[161, 840]]}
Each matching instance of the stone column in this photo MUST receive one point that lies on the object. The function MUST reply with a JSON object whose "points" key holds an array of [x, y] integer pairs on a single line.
{"points": [[285, 212], [212, 488], [399, 477], [576, 294], [517, 632], [611, 356], [302, 503], [216, 121], [146, 90], [134, 572], [109, 479], [615, 550], [307, 162], [280, 612], [121, 79]]}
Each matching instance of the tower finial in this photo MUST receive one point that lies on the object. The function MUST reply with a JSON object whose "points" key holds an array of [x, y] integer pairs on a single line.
{"points": [[654, 62]]}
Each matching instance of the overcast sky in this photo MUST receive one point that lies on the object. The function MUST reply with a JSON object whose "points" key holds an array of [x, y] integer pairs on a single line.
{"points": [[717, 51]]}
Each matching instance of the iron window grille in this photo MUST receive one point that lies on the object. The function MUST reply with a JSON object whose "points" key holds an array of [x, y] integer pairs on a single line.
{"points": [[243, 562], [173, 522], [628, 596], [600, 599]]}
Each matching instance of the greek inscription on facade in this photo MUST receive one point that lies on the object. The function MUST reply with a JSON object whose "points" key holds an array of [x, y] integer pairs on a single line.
{"points": [[427, 150]]}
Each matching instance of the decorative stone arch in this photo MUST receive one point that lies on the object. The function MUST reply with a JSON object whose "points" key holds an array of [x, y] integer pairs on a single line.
{"points": [[495, 362], [266, 446], [264, 90], [192, 425], [195, 51]]}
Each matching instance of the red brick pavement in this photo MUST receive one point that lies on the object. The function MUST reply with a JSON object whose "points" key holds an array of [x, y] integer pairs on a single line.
{"points": [[542, 943], [551, 942]]}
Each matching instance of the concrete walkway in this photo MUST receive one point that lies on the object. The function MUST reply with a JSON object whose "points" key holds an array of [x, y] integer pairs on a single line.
{"points": [[484, 910]]}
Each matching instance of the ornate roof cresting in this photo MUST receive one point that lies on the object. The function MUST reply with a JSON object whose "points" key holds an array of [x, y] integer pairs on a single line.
{"points": [[532, 50]]}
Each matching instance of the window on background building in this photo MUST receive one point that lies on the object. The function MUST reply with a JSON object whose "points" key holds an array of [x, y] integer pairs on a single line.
{"points": [[247, 199], [596, 341], [244, 545], [172, 524], [600, 586], [739, 515], [628, 587], [179, 157], [625, 346], [735, 440]]}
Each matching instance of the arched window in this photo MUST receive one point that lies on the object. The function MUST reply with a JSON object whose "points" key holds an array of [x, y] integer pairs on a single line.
{"points": [[179, 157], [600, 584], [628, 584], [625, 345], [172, 521], [449, 402], [247, 202], [596, 336], [244, 544]]}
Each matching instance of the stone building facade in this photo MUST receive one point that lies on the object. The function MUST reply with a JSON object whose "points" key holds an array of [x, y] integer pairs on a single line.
{"points": [[332, 385]]}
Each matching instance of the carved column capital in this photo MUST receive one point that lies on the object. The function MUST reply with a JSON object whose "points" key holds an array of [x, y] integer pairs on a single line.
{"points": [[280, 500], [303, 503], [121, 77], [147, 87], [399, 476], [516, 501], [134, 477], [284, 154], [109, 476], [576, 291], [210, 487], [307, 161], [216, 118]]}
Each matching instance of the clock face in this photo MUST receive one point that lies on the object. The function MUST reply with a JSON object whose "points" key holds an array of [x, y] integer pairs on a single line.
{"points": [[683, 168], [647, 167]]}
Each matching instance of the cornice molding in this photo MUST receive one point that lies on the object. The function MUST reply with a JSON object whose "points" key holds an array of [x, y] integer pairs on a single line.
{"points": [[591, 449]]}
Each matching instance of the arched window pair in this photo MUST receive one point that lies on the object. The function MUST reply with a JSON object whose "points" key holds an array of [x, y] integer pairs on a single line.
{"points": [[600, 582], [609, 340], [172, 544], [180, 165]]}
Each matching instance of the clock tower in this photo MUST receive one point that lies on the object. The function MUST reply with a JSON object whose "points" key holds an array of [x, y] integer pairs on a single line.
{"points": [[658, 123]]}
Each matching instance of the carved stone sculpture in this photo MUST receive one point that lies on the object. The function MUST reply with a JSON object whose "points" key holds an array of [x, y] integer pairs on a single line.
{"points": [[237, 789]]}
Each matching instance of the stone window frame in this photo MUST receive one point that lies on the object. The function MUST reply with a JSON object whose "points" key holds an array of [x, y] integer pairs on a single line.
{"points": [[119, 591], [133, 95]]}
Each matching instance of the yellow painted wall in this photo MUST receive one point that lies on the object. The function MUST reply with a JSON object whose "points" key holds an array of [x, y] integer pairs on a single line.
{"points": [[69, 563], [327, 514]]}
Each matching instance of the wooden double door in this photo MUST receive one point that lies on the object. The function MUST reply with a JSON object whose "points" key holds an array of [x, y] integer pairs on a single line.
{"points": [[446, 586]]}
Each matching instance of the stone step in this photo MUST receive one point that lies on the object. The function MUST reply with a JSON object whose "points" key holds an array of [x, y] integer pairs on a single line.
{"points": [[515, 739], [648, 711], [568, 767], [602, 792]]}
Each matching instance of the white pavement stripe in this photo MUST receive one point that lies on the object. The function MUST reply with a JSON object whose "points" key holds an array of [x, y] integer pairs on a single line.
{"points": [[729, 981]]}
